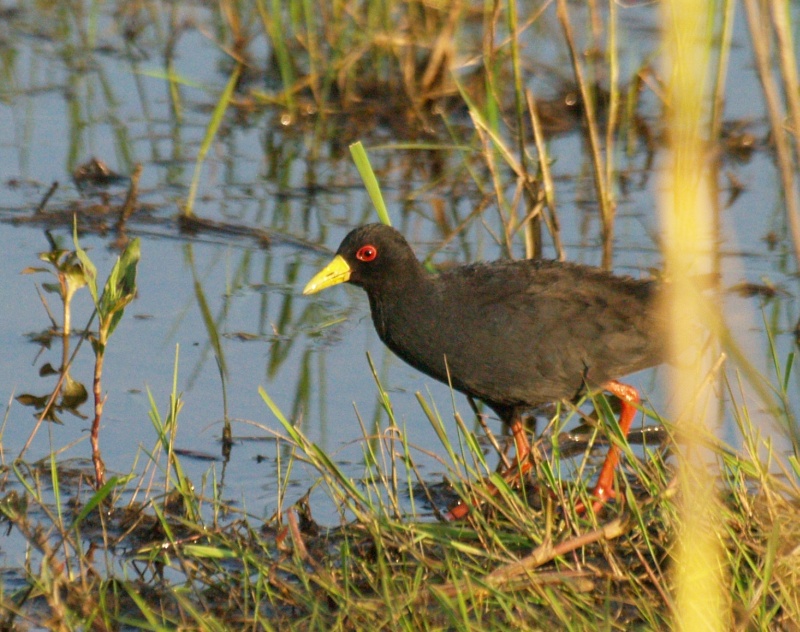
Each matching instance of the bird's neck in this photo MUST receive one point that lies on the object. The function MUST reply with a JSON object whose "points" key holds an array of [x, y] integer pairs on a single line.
{"points": [[399, 300]]}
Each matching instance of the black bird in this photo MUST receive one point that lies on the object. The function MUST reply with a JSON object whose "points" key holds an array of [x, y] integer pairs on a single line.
{"points": [[513, 334]]}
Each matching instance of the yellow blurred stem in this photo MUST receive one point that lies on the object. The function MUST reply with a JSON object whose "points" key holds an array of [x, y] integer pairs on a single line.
{"points": [[698, 563]]}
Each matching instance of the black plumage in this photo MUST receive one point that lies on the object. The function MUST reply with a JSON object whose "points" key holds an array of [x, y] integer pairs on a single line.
{"points": [[513, 334]]}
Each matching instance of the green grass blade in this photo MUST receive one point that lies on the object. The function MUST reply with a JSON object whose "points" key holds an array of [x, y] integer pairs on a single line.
{"points": [[364, 167], [211, 132], [98, 497]]}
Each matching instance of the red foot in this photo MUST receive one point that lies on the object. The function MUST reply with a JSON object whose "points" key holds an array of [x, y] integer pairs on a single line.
{"points": [[603, 490], [518, 468], [458, 511], [602, 497]]}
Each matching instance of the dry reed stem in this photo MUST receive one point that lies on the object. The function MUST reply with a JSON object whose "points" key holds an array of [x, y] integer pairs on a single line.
{"points": [[553, 225], [512, 572], [759, 34], [607, 210]]}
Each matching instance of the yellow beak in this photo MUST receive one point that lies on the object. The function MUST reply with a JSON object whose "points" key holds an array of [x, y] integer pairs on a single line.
{"points": [[337, 271]]}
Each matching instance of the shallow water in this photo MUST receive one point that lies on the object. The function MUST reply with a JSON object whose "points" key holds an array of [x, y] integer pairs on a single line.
{"points": [[65, 103]]}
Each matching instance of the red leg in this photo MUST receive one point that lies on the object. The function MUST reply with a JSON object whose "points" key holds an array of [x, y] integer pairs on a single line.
{"points": [[629, 398], [520, 466], [522, 447]]}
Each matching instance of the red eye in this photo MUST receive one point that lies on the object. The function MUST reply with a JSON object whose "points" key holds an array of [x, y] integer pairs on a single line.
{"points": [[367, 253]]}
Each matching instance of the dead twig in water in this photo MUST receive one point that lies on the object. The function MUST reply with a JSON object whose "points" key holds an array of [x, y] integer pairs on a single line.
{"points": [[46, 198]]}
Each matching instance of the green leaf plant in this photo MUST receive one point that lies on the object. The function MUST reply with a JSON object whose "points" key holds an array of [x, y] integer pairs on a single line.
{"points": [[119, 291], [68, 394]]}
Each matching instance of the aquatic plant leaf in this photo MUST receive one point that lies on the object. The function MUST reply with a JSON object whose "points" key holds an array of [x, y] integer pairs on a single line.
{"points": [[48, 369], [74, 393], [120, 288], [75, 276], [89, 269], [13, 506], [51, 288], [36, 401], [53, 256]]}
